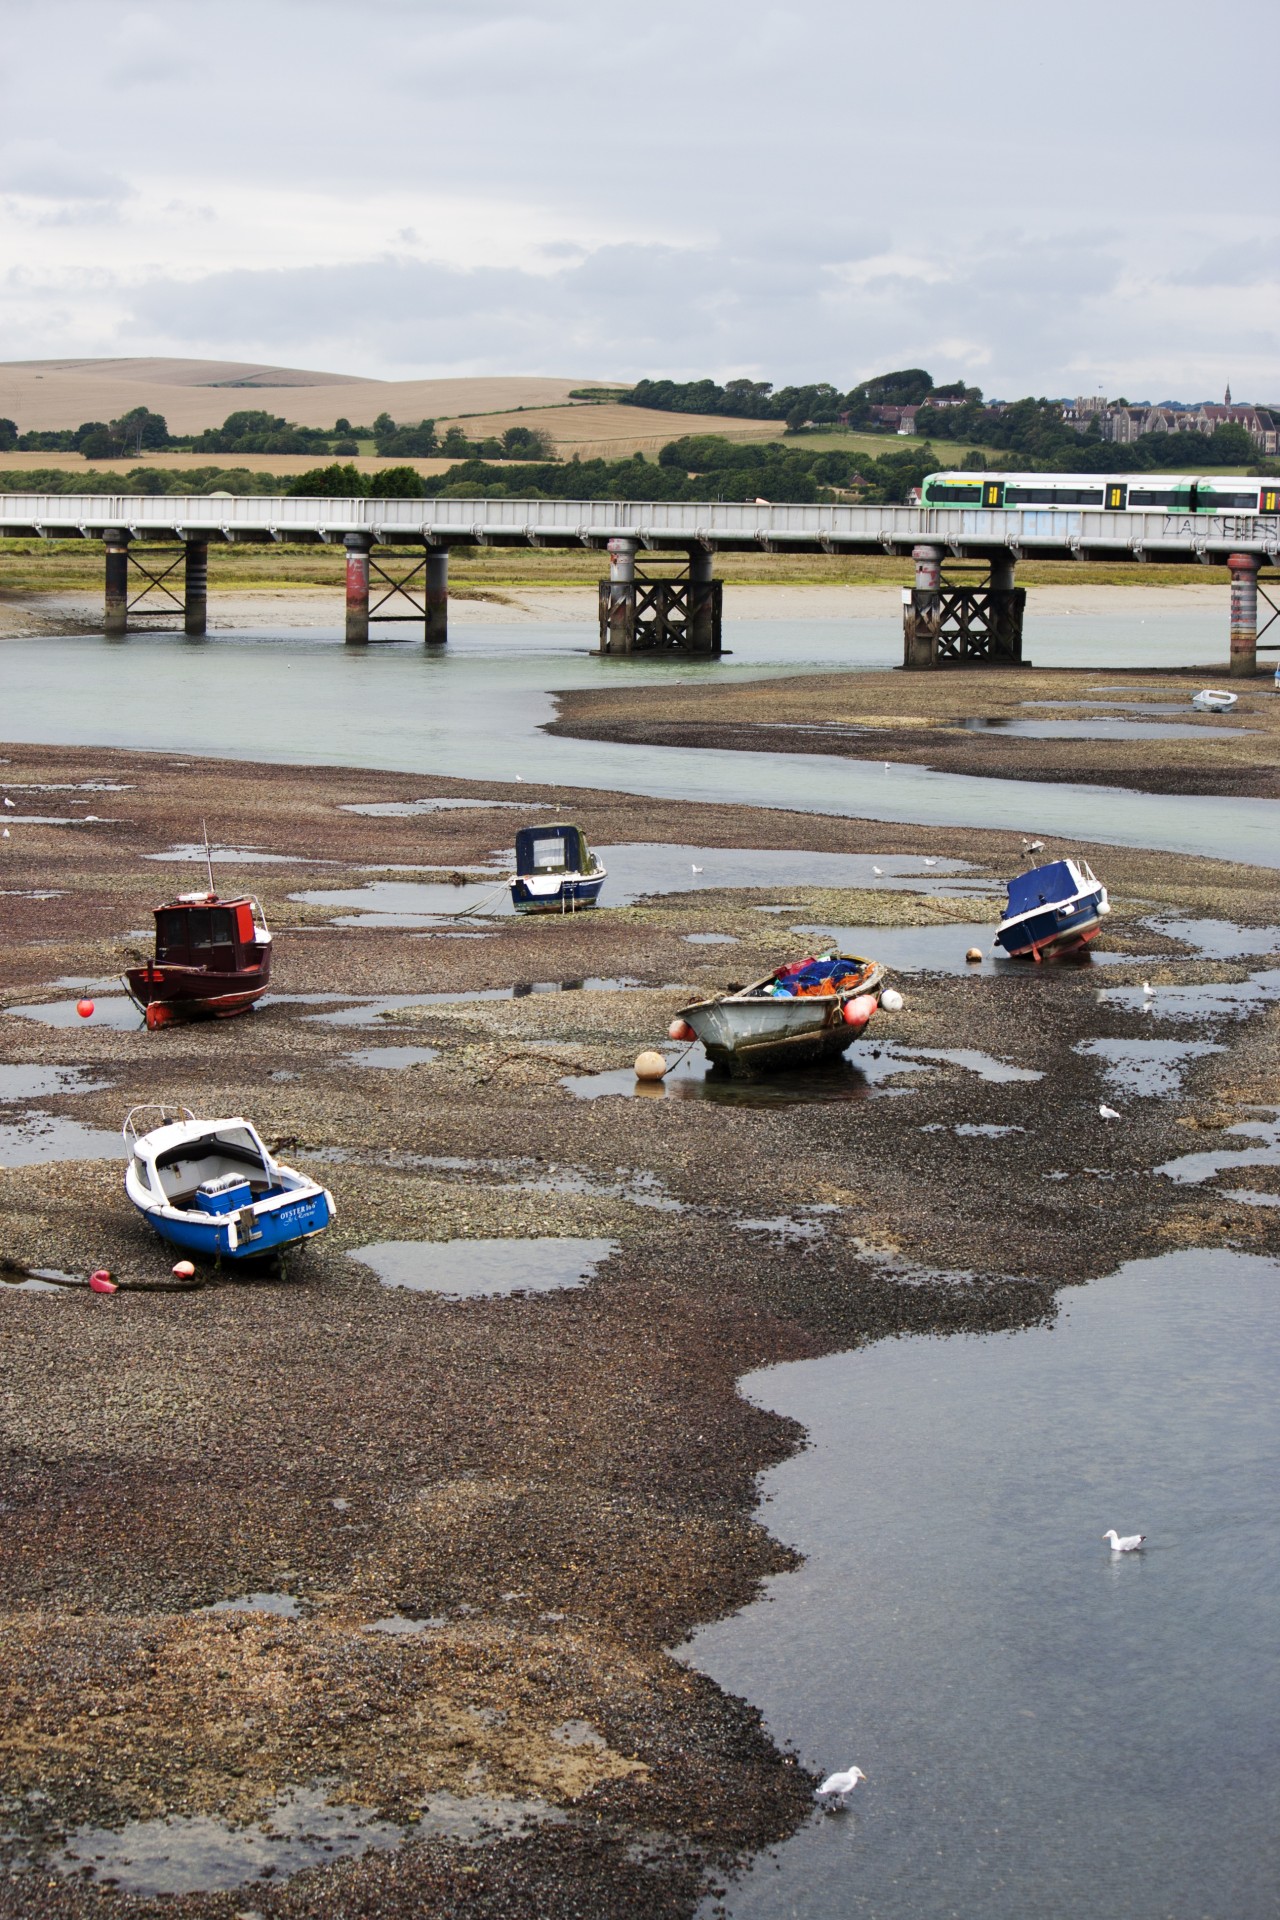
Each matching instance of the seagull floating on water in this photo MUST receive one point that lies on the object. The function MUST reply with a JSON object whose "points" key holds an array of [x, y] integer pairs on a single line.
{"points": [[1107, 1113], [877, 871], [694, 869], [931, 863], [1124, 1543], [837, 1787]]}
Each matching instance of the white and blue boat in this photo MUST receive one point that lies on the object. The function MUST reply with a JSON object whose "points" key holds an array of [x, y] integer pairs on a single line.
{"points": [[212, 1188], [556, 871], [1052, 910]]}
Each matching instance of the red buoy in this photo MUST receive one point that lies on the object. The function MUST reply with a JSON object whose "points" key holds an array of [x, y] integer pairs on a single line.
{"points": [[85, 1009], [101, 1282], [857, 1012], [680, 1030]]}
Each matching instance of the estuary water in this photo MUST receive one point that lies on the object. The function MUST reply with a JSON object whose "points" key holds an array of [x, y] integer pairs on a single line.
{"points": [[475, 710], [1050, 1732]]}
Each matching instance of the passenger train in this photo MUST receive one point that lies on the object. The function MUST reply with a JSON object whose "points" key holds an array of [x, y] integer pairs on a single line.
{"points": [[1108, 492]]}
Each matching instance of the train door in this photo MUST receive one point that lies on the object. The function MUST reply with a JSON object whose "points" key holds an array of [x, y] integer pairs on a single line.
{"points": [[1116, 496], [993, 493]]}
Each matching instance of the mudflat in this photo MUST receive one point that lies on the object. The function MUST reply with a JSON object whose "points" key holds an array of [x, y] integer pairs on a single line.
{"points": [[1130, 727], [552, 1489]]}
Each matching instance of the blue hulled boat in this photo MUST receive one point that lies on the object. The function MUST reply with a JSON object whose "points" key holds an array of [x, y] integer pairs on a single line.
{"points": [[556, 871], [1052, 910], [212, 1188]]}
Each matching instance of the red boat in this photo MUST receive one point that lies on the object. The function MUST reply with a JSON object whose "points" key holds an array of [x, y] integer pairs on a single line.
{"points": [[212, 960]]}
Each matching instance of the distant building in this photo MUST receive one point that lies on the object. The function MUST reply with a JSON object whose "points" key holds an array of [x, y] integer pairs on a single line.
{"points": [[902, 419]]}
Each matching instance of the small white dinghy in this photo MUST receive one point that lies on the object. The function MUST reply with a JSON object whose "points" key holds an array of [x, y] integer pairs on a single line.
{"points": [[1214, 700], [212, 1188]]}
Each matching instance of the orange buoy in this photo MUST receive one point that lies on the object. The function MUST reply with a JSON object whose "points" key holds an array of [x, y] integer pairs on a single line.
{"points": [[101, 1282], [650, 1065], [159, 1015], [85, 1009], [680, 1030], [857, 1012]]}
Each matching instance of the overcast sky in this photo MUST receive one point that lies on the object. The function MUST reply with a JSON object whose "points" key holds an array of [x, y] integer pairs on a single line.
{"points": [[1037, 199]]}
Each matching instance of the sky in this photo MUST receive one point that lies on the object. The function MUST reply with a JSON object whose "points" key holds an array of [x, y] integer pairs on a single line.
{"points": [[1035, 199]]}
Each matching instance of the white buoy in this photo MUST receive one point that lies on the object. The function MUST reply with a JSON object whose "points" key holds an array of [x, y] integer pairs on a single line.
{"points": [[891, 1000], [650, 1065]]}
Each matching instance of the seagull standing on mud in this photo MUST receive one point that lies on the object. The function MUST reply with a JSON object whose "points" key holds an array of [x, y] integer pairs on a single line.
{"points": [[836, 1788], [1124, 1542]]}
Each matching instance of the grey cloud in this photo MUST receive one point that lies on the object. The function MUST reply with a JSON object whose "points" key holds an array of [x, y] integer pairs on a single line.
{"points": [[1249, 263]]}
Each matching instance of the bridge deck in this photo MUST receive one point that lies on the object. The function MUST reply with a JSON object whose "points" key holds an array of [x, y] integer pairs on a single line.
{"points": [[660, 525]]}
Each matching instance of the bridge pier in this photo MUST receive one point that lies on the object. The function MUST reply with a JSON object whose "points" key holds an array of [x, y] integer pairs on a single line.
{"points": [[947, 625], [436, 597], [643, 613], [358, 546], [115, 613], [195, 597], [1244, 615]]}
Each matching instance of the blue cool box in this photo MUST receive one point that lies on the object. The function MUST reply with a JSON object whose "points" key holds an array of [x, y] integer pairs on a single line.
{"points": [[227, 1195]]}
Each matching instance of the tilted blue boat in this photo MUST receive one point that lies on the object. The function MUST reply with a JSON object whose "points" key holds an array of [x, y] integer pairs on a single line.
{"points": [[1052, 910], [556, 871], [212, 1188]]}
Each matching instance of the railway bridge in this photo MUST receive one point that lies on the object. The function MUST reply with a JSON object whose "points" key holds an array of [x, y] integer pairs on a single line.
{"points": [[964, 608]]}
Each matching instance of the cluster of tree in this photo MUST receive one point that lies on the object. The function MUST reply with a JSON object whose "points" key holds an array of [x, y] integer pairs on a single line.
{"points": [[145, 480], [259, 432], [138, 431], [394, 442], [821, 403], [699, 467]]}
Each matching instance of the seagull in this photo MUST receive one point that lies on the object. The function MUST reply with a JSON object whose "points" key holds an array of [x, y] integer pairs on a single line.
{"points": [[6, 833], [878, 871], [837, 1787], [1107, 1113], [694, 869], [1148, 991], [886, 766], [931, 863], [8, 802], [1120, 1543]]}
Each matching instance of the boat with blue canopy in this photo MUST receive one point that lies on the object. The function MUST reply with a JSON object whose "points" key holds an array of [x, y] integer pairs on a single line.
{"points": [[556, 871], [212, 1188], [1052, 910]]}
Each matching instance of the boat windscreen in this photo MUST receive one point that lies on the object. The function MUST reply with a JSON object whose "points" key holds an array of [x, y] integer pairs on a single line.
{"points": [[550, 850], [236, 1143], [1041, 886]]}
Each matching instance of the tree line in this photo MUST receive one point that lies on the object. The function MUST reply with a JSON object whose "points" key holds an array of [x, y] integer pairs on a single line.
{"points": [[255, 431]]}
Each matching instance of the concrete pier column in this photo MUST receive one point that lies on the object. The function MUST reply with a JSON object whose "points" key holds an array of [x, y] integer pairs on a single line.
{"points": [[1244, 615], [436, 597], [922, 609], [357, 546], [618, 598], [704, 602], [195, 600], [116, 609]]}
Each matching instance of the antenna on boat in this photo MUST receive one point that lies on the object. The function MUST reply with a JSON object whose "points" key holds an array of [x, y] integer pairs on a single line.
{"points": [[208, 856]]}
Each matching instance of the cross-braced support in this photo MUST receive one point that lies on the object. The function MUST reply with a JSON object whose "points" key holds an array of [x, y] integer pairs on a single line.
{"points": [[650, 613], [424, 588], [975, 623], [137, 589]]}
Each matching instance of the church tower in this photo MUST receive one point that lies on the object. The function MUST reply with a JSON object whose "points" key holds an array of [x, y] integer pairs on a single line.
{"points": [[1226, 398]]}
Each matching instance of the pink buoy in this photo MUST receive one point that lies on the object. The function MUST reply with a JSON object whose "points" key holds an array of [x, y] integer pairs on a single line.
{"points": [[101, 1282], [857, 1012], [85, 1009], [184, 1270], [680, 1030]]}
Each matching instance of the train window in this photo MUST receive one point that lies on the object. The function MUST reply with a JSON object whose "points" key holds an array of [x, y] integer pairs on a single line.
{"points": [[1210, 500], [1053, 496], [954, 493], [1158, 497]]}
